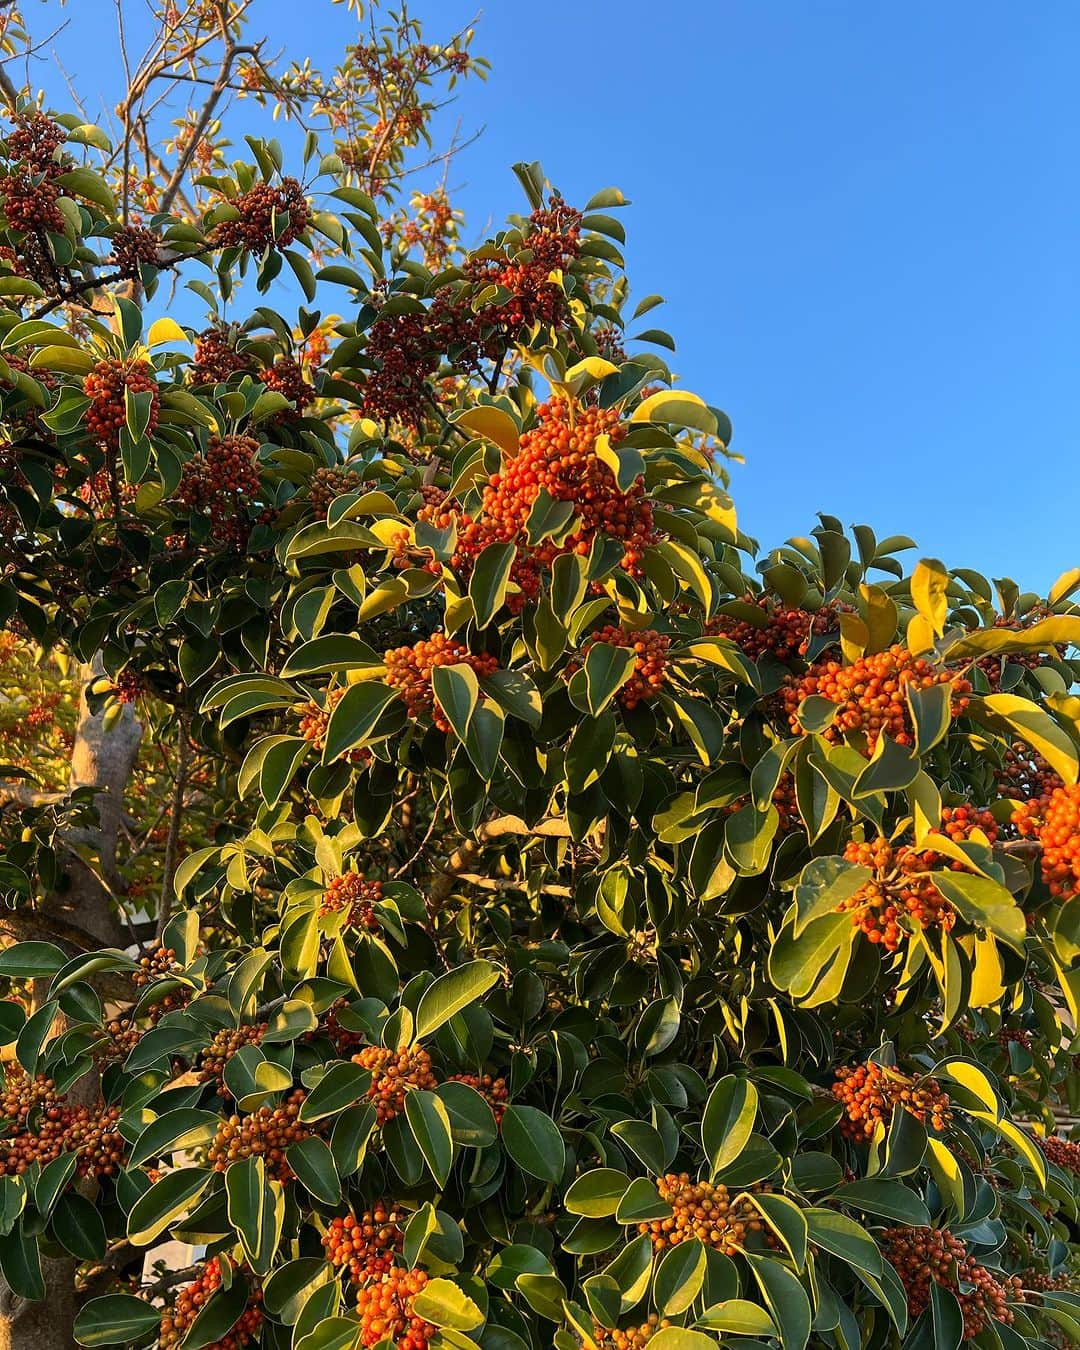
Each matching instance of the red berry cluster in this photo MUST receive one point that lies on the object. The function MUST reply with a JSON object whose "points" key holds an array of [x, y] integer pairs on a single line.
{"points": [[609, 343], [650, 661], [216, 358], [958, 822], [386, 1311], [629, 1338], [393, 1074], [191, 1299], [494, 1091], [1054, 821], [133, 246], [22, 1094], [871, 693], [870, 1093], [551, 244], [408, 670], [29, 189], [1062, 1152], [106, 387], [122, 1037], [286, 378], [356, 896], [405, 349], [925, 1256], [128, 686], [211, 1062], [705, 1211], [366, 1245], [786, 634], [221, 486], [265, 1133], [270, 217], [1025, 774], [328, 484]]}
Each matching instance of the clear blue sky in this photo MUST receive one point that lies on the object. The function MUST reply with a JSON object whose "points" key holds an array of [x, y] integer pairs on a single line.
{"points": [[865, 219]]}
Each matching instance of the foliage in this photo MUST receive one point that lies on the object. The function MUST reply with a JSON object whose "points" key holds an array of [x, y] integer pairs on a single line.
{"points": [[620, 935]]}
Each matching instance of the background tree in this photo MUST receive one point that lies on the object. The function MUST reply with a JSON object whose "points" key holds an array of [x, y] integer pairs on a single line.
{"points": [[607, 934]]}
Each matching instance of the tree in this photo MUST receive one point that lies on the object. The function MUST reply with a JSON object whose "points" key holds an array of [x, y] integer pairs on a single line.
{"points": [[608, 934]]}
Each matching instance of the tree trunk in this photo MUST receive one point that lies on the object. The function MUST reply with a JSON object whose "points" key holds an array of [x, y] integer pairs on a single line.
{"points": [[103, 760]]}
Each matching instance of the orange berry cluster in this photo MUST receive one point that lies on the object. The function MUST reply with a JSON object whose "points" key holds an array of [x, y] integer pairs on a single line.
{"points": [[366, 1245], [29, 188], [629, 1338], [132, 247], [326, 484], [393, 1074], [650, 661], [1062, 1152], [123, 1036], [216, 358], [702, 1210], [106, 387], [41, 1126], [559, 455], [1055, 821], [870, 1093], [386, 1311], [785, 637], [265, 1133], [286, 377], [901, 886], [925, 1256], [408, 670], [270, 217], [958, 822], [494, 1090], [357, 897], [159, 965], [223, 1045], [871, 693], [191, 1298]]}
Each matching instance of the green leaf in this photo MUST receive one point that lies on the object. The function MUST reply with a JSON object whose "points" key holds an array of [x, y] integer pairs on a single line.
{"points": [[339, 1087], [452, 993], [31, 960], [738, 1317], [354, 717], [607, 669], [824, 884], [332, 653], [488, 583], [1033, 725], [985, 903], [843, 1237], [681, 1338], [313, 1163], [596, 1194], [429, 1122], [679, 1278], [786, 1300], [533, 1141], [116, 1319], [181, 1129], [79, 1227], [445, 1305], [457, 691], [728, 1121], [472, 1121], [786, 1220], [174, 1194], [886, 1199]]}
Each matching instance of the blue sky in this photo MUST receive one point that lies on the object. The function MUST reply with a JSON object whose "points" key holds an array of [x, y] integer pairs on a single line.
{"points": [[865, 219]]}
